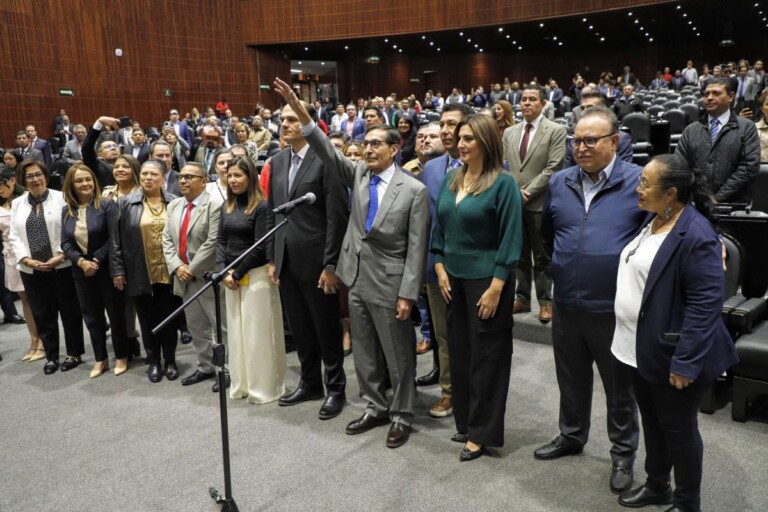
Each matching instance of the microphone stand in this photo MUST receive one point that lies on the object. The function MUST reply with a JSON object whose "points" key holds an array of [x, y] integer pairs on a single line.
{"points": [[213, 279]]}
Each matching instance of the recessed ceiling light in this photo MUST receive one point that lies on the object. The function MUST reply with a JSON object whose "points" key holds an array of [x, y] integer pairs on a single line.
{"points": [[386, 40], [679, 7], [469, 40], [602, 39], [591, 27], [431, 43], [685, 15], [629, 14], [508, 36], [519, 47], [322, 63], [514, 42], [560, 43], [400, 50], [423, 37], [299, 63], [501, 29], [641, 28], [306, 48], [650, 39], [481, 50], [541, 25], [461, 33], [584, 20], [637, 20], [476, 45], [438, 49], [394, 46], [554, 38], [690, 23], [646, 34], [346, 47]]}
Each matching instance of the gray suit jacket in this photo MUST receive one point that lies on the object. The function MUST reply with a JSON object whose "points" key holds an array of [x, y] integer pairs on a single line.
{"points": [[201, 237], [544, 157], [72, 152]]}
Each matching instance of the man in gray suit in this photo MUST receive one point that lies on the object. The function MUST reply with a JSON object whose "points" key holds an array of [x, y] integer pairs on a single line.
{"points": [[72, 152], [534, 150], [382, 262], [189, 245]]}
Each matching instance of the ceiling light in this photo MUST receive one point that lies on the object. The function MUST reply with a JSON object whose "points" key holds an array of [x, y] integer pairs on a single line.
{"points": [[437, 49], [637, 20], [476, 45], [501, 29], [461, 33], [306, 48], [299, 63], [646, 34], [423, 37], [560, 43], [400, 50], [481, 50], [508, 36], [514, 42], [346, 47], [650, 39], [554, 38], [629, 14], [679, 7], [685, 15], [519, 47], [394, 46], [584, 20], [322, 63], [690, 23], [469, 40], [641, 28], [602, 39], [591, 27], [541, 25], [431, 43]]}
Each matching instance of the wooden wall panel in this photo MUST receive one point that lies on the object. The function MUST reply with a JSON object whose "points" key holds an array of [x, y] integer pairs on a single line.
{"points": [[283, 21], [195, 49]]}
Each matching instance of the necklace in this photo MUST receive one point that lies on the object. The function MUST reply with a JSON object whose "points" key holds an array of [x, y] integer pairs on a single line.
{"points": [[650, 230], [155, 211], [643, 236]]}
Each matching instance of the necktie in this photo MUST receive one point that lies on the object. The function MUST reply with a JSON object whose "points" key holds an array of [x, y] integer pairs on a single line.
{"points": [[714, 128], [373, 203], [294, 170], [454, 163], [183, 233], [524, 143], [742, 88], [208, 157]]}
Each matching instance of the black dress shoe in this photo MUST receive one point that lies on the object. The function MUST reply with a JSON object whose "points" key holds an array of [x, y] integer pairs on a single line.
{"points": [[460, 437], [644, 495], [559, 447], [299, 396], [155, 374], [432, 377], [466, 454], [14, 319], [70, 362], [227, 382], [332, 407], [186, 337], [348, 352], [365, 423], [51, 367], [621, 477], [171, 371], [675, 509], [398, 435], [196, 377]]}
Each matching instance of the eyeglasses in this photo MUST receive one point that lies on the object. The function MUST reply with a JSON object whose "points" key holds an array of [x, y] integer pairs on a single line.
{"points": [[643, 184], [109, 146], [590, 142], [185, 177], [35, 176], [374, 143]]}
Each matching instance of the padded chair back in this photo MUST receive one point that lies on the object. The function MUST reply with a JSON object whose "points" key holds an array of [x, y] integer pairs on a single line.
{"points": [[692, 112], [654, 110], [661, 100], [734, 270], [676, 120], [565, 104], [639, 126], [671, 104], [760, 189]]}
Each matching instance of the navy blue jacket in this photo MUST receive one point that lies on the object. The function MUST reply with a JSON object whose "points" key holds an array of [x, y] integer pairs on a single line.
{"points": [[432, 176], [101, 224], [585, 247], [680, 328]]}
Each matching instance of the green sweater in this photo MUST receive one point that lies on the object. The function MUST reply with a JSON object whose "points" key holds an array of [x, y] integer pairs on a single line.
{"points": [[481, 236]]}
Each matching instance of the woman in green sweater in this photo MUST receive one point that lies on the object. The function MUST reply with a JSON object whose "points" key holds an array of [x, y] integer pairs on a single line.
{"points": [[476, 241]]}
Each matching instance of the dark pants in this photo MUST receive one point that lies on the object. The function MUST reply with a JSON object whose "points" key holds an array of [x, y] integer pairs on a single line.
{"points": [[672, 439], [151, 310], [481, 360], [97, 294], [579, 339], [533, 263], [7, 297], [52, 294], [316, 331]]}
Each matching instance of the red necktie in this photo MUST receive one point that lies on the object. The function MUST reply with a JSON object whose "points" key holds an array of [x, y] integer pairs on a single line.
{"points": [[524, 144], [183, 234]]}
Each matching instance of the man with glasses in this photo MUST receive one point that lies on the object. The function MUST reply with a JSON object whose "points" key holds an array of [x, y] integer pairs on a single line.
{"points": [[590, 213], [102, 162], [180, 127], [189, 246]]}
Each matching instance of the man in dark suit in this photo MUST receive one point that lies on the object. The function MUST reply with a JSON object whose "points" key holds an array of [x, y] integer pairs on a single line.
{"points": [[64, 131], [181, 128], [73, 148], [41, 145], [139, 149], [514, 94], [162, 151], [302, 261], [628, 76], [22, 143], [353, 126], [627, 103], [101, 162], [554, 96]]}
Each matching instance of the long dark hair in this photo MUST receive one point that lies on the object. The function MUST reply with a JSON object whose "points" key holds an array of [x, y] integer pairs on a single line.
{"points": [[7, 174], [692, 187]]}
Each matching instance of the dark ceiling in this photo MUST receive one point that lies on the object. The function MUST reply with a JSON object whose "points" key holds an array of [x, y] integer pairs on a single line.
{"points": [[743, 22]]}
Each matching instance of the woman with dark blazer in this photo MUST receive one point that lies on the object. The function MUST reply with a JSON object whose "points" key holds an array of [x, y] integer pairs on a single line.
{"points": [[36, 242], [476, 241], [138, 266], [669, 328], [407, 132], [87, 233]]}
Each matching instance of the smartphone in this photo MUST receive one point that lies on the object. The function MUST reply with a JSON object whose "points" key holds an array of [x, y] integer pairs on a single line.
{"points": [[125, 122]]}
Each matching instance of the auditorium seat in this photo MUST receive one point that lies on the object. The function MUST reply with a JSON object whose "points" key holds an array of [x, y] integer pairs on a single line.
{"points": [[760, 189], [669, 105], [639, 126], [654, 110], [692, 112], [750, 377], [660, 100], [677, 124]]}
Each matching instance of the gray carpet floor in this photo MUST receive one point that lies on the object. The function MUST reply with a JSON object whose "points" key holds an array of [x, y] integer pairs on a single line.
{"points": [[68, 443]]}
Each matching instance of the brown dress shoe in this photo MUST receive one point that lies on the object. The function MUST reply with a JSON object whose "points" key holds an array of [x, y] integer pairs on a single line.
{"points": [[365, 423], [423, 347], [521, 307], [442, 408], [545, 313], [398, 435]]}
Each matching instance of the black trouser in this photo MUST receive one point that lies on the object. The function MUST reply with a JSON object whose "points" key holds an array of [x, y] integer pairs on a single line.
{"points": [[151, 310], [481, 360], [580, 338], [97, 294], [533, 263], [316, 331], [7, 297], [52, 294], [672, 439]]}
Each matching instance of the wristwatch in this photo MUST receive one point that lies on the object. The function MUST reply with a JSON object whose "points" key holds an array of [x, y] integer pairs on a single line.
{"points": [[331, 269]]}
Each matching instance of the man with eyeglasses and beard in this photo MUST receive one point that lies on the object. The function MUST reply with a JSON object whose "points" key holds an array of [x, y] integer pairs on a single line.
{"points": [[590, 213]]}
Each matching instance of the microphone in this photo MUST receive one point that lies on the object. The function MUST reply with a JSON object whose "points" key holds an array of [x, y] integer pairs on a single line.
{"points": [[309, 197]]}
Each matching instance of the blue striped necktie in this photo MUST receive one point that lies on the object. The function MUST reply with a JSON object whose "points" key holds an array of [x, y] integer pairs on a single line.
{"points": [[714, 128]]}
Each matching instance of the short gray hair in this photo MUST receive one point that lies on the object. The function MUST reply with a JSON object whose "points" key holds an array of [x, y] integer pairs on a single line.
{"points": [[603, 113]]}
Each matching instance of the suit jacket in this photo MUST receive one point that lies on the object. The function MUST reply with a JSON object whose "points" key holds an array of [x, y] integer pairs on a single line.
{"points": [[200, 156], [387, 262], [750, 90], [555, 95], [680, 327], [172, 182], [34, 154], [201, 237], [622, 107], [72, 152], [101, 224], [514, 96], [432, 176], [20, 210], [143, 152], [629, 78], [101, 168], [314, 234], [543, 158], [45, 148], [358, 129], [184, 132]]}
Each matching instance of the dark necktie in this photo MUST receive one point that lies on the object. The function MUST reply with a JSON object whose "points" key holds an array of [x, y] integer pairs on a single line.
{"points": [[524, 143], [373, 203]]}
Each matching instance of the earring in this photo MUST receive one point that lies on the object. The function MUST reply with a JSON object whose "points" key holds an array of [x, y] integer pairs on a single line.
{"points": [[668, 212]]}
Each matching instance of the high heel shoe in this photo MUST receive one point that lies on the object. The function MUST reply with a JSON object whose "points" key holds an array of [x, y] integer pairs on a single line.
{"points": [[39, 354], [99, 367], [28, 355], [121, 366]]}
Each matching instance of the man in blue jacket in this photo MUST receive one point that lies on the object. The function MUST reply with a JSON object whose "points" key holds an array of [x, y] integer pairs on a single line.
{"points": [[590, 214]]}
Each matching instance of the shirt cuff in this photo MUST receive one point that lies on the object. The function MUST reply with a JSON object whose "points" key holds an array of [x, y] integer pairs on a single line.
{"points": [[98, 126], [306, 129]]}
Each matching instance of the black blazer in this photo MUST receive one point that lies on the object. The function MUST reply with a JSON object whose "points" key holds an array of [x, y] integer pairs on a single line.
{"points": [[143, 152], [101, 225], [315, 231], [101, 168]]}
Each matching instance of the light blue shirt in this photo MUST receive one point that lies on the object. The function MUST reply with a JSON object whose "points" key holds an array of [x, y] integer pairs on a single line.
{"points": [[590, 188]]}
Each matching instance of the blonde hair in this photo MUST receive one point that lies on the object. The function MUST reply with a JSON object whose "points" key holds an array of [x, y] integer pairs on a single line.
{"points": [[68, 188]]}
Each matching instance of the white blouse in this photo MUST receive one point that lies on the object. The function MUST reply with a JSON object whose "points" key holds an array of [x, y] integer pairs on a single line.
{"points": [[634, 266]]}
